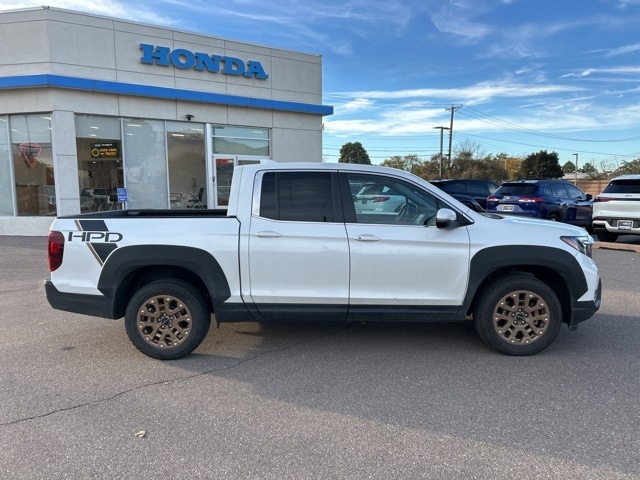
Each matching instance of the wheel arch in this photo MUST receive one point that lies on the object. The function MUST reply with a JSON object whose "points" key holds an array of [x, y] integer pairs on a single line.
{"points": [[129, 268], [557, 268], [555, 213]]}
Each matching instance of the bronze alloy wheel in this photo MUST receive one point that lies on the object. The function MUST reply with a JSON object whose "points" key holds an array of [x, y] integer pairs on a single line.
{"points": [[167, 319], [164, 321], [517, 314], [521, 317]]}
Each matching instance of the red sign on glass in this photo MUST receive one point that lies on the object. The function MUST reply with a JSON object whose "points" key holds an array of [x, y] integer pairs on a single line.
{"points": [[30, 152]]}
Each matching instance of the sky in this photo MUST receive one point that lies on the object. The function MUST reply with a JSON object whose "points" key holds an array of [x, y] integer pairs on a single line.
{"points": [[521, 75]]}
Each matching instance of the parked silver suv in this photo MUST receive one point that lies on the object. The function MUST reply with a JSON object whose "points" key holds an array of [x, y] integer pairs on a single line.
{"points": [[616, 211]]}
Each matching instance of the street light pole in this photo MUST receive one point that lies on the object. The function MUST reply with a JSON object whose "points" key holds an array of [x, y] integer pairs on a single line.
{"points": [[441, 130], [575, 176]]}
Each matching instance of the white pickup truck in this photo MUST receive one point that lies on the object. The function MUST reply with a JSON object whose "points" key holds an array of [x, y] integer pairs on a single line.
{"points": [[298, 242]]}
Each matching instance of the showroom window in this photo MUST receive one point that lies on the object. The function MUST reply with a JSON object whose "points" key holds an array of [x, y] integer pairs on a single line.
{"points": [[187, 169], [32, 161], [145, 163], [6, 181], [100, 173], [230, 140]]}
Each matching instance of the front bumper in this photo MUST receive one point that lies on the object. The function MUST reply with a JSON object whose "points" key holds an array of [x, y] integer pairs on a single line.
{"points": [[584, 310]]}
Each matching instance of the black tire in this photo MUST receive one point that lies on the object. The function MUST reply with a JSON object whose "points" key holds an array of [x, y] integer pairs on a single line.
{"points": [[605, 236], [554, 217], [518, 315], [167, 319]]}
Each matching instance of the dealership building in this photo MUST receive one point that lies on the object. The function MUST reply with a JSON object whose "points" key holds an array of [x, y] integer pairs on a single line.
{"points": [[99, 113]]}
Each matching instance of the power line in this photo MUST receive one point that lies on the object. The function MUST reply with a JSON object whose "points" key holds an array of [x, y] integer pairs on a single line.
{"points": [[511, 126]]}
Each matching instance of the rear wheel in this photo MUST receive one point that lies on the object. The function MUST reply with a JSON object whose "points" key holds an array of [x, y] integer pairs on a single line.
{"points": [[167, 319], [605, 236], [518, 315]]}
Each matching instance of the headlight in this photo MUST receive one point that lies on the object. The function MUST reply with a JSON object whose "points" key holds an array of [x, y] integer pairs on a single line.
{"points": [[583, 244]]}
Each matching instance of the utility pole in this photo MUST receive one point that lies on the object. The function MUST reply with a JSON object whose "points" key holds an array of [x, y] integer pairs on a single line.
{"points": [[575, 177], [441, 130], [453, 108]]}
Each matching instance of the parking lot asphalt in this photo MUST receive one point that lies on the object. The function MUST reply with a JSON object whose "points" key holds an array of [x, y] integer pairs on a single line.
{"points": [[315, 400]]}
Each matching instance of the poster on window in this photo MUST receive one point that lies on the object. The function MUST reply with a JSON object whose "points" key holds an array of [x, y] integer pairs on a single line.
{"points": [[223, 163]]}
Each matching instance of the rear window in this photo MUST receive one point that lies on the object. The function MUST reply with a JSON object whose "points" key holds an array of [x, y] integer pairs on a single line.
{"points": [[517, 189], [297, 196], [623, 186]]}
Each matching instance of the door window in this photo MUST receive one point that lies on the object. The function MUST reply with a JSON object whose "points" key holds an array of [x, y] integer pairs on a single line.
{"points": [[575, 192], [297, 196], [387, 200]]}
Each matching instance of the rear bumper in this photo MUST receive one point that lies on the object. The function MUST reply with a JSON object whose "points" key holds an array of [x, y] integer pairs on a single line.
{"points": [[94, 305], [611, 225]]}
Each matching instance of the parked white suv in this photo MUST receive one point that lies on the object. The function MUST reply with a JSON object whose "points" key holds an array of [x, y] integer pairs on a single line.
{"points": [[616, 211]]}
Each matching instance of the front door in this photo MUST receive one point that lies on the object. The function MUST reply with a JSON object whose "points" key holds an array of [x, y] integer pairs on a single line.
{"points": [[399, 258]]}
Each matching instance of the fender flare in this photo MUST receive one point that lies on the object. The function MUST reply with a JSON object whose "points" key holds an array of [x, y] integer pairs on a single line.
{"points": [[493, 259], [125, 260]]}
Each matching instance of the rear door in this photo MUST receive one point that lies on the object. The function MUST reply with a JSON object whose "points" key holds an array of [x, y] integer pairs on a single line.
{"points": [[298, 254]]}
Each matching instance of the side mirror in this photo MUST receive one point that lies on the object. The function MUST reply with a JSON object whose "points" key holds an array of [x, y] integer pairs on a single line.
{"points": [[589, 196], [446, 218]]}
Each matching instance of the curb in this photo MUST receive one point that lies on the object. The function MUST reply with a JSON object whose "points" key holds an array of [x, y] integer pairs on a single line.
{"points": [[617, 246]]}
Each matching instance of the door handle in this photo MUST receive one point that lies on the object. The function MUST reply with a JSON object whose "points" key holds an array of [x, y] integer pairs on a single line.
{"points": [[268, 234], [365, 237]]}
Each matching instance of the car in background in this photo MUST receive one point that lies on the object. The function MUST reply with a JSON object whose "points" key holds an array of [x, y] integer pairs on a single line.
{"points": [[470, 191], [616, 211], [556, 200], [378, 198]]}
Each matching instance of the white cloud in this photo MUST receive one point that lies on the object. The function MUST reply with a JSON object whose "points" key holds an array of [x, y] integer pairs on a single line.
{"points": [[111, 8], [478, 93]]}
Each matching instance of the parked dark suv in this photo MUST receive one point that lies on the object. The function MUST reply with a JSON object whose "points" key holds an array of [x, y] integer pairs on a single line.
{"points": [[469, 191], [556, 200]]}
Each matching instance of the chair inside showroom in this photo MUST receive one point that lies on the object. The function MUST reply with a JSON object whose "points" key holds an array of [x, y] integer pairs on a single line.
{"points": [[196, 200], [50, 191]]}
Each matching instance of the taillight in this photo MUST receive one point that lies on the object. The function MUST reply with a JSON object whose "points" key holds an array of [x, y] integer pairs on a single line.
{"points": [[492, 199], [531, 200], [603, 199], [56, 249]]}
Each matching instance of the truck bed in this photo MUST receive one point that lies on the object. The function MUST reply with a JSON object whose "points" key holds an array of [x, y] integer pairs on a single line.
{"points": [[152, 213]]}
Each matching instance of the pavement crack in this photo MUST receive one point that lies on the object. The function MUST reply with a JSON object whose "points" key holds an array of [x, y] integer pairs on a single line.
{"points": [[177, 380]]}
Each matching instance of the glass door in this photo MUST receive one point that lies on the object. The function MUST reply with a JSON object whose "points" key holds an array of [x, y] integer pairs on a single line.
{"points": [[223, 167]]}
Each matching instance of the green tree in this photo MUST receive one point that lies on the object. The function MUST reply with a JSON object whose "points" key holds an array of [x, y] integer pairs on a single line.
{"points": [[410, 163], [589, 169], [632, 166], [354, 152], [541, 165], [569, 167]]}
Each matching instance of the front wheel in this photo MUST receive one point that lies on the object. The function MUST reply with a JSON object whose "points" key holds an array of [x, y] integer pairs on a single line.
{"points": [[167, 319], [518, 315]]}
